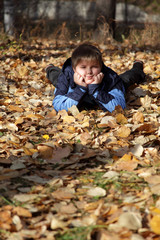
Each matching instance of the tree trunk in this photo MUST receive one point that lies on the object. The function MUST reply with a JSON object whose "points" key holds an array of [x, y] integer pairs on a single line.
{"points": [[9, 16], [106, 9]]}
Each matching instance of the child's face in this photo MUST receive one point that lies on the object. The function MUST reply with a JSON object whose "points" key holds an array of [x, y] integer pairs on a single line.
{"points": [[88, 69]]}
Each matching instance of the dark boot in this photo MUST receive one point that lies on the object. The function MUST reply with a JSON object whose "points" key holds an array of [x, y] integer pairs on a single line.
{"points": [[133, 76], [53, 73]]}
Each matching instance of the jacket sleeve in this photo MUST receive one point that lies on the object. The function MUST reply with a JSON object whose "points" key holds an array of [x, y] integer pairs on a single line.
{"points": [[65, 96], [110, 97]]}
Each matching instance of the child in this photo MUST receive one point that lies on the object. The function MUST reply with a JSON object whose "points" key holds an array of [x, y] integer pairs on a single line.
{"points": [[86, 82]]}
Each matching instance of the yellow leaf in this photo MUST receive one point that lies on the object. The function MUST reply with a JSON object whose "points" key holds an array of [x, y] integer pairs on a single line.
{"points": [[68, 119], [28, 151], [155, 224], [155, 210], [123, 132], [148, 69], [23, 71], [45, 136], [126, 157], [120, 118]]}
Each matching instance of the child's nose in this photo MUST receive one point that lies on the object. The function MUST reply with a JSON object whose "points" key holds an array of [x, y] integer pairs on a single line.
{"points": [[89, 70]]}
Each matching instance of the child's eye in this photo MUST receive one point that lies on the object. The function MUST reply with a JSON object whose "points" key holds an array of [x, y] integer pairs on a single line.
{"points": [[95, 66]]}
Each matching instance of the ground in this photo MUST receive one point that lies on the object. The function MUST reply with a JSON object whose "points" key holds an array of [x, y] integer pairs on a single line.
{"points": [[77, 175]]}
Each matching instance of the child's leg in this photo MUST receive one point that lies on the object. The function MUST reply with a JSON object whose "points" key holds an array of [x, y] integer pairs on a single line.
{"points": [[134, 75], [53, 73]]}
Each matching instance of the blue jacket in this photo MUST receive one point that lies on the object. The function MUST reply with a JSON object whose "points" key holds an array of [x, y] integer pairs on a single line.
{"points": [[108, 94]]}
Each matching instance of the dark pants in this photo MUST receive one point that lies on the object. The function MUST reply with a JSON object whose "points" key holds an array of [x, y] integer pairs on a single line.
{"points": [[129, 77]]}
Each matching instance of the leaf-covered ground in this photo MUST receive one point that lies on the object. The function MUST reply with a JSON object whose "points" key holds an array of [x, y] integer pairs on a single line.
{"points": [[77, 175]]}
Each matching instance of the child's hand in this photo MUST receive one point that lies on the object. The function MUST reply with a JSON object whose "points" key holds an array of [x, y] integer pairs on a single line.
{"points": [[98, 78], [78, 79]]}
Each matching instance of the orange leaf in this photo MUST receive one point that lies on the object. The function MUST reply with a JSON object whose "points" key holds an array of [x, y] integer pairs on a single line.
{"points": [[15, 108], [51, 114], [34, 116], [19, 121], [22, 212]]}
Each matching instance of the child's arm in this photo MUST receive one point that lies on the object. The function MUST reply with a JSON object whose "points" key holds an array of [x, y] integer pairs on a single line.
{"points": [[108, 100], [65, 96], [98, 79]]}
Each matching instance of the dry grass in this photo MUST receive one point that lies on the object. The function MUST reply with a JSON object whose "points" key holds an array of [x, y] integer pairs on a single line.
{"points": [[149, 36]]}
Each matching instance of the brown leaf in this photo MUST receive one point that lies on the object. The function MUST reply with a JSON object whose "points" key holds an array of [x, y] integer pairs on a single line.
{"points": [[68, 209], [45, 152], [52, 154], [146, 101], [85, 138], [146, 128], [126, 163], [138, 117], [62, 194]]}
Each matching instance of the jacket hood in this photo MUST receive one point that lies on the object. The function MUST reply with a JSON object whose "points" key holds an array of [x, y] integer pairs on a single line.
{"points": [[67, 63]]}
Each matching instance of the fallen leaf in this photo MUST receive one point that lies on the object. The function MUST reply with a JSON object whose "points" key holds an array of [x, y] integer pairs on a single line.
{"points": [[155, 223], [130, 220], [51, 114], [121, 119], [62, 194], [96, 191], [55, 224], [137, 150], [22, 212], [23, 71], [123, 132], [73, 110], [85, 138], [138, 117], [68, 119]]}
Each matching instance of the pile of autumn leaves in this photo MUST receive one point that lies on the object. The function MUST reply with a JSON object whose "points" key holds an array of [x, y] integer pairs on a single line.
{"points": [[61, 155]]}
